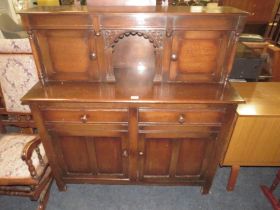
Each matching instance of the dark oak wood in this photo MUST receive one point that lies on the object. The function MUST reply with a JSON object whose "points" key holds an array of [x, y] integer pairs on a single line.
{"points": [[136, 94], [133, 143], [197, 56], [123, 3], [61, 62], [56, 170], [88, 43]]}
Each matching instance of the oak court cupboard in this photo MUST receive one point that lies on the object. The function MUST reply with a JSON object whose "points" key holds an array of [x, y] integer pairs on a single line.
{"points": [[134, 95]]}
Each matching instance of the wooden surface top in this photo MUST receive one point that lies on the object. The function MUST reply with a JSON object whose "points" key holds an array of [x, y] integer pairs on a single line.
{"points": [[114, 92], [262, 98], [178, 10]]}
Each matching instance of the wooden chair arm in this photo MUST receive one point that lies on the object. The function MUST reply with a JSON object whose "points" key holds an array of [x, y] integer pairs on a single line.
{"points": [[27, 154], [29, 148]]}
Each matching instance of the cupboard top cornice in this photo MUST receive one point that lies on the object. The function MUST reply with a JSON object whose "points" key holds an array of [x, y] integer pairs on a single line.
{"points": [[171, 10]]}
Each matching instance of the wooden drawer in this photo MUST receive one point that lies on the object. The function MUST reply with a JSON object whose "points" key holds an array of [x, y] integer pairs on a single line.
{"points": [[40, 21], [215, 23], [181, 116], [132, 20], [86, 116]]}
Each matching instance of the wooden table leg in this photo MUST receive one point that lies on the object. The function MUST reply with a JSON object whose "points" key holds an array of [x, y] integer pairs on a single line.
{"points": [[233, 177]]}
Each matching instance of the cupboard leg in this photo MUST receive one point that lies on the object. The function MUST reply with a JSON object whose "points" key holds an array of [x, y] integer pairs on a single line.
{"points": [[61, 186], [205, 189], [233, 177]]}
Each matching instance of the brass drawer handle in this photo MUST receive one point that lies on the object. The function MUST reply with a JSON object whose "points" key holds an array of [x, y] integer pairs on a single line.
{"points": [[97, 33], [84, 118], [169, 33], [93, 56], [181, 119], [141, 153], [125, 153], [174, 57]]}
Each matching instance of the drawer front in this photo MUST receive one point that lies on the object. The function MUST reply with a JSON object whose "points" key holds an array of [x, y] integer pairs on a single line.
{"points": [[39, 21], [213, 22], [132, 21], [181, 116], [86, 116]]}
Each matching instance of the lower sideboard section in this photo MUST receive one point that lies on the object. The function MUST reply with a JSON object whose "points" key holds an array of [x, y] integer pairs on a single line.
{"points": [[162, 146]]}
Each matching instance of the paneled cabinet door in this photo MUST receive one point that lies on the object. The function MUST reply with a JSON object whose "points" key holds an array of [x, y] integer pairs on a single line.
{"points": [[68, 55], [173, 157], [104, 157], [198, 56]]}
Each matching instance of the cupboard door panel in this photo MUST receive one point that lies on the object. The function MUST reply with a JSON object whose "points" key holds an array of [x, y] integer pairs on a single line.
{"points": [[174, 159], [75, 160], [192, 152], [68, 54], [157, 156], [198, 51], [94, 156], [198, 56], [108, 155]]}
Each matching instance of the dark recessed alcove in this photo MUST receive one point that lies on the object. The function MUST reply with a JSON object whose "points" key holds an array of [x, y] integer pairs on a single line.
{"points": [[134, 60]]}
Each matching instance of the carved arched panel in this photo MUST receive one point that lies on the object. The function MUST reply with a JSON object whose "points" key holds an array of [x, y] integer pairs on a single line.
{"points": [[133, 54]]}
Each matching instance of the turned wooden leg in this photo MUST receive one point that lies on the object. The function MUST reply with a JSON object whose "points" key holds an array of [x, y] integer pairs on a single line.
{"points": [[44, 197], [233, 177], [268, 192]]}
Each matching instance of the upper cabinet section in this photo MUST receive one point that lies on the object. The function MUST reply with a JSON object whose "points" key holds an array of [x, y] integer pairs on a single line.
{"points": [[111, 44]]}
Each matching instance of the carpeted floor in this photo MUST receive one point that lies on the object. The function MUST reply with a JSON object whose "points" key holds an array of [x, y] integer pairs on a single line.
{"points": [[246, 196]]}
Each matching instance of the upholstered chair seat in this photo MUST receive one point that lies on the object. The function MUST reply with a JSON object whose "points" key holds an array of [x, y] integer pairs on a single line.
{"points": [[13, 168], [24, 168]]}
